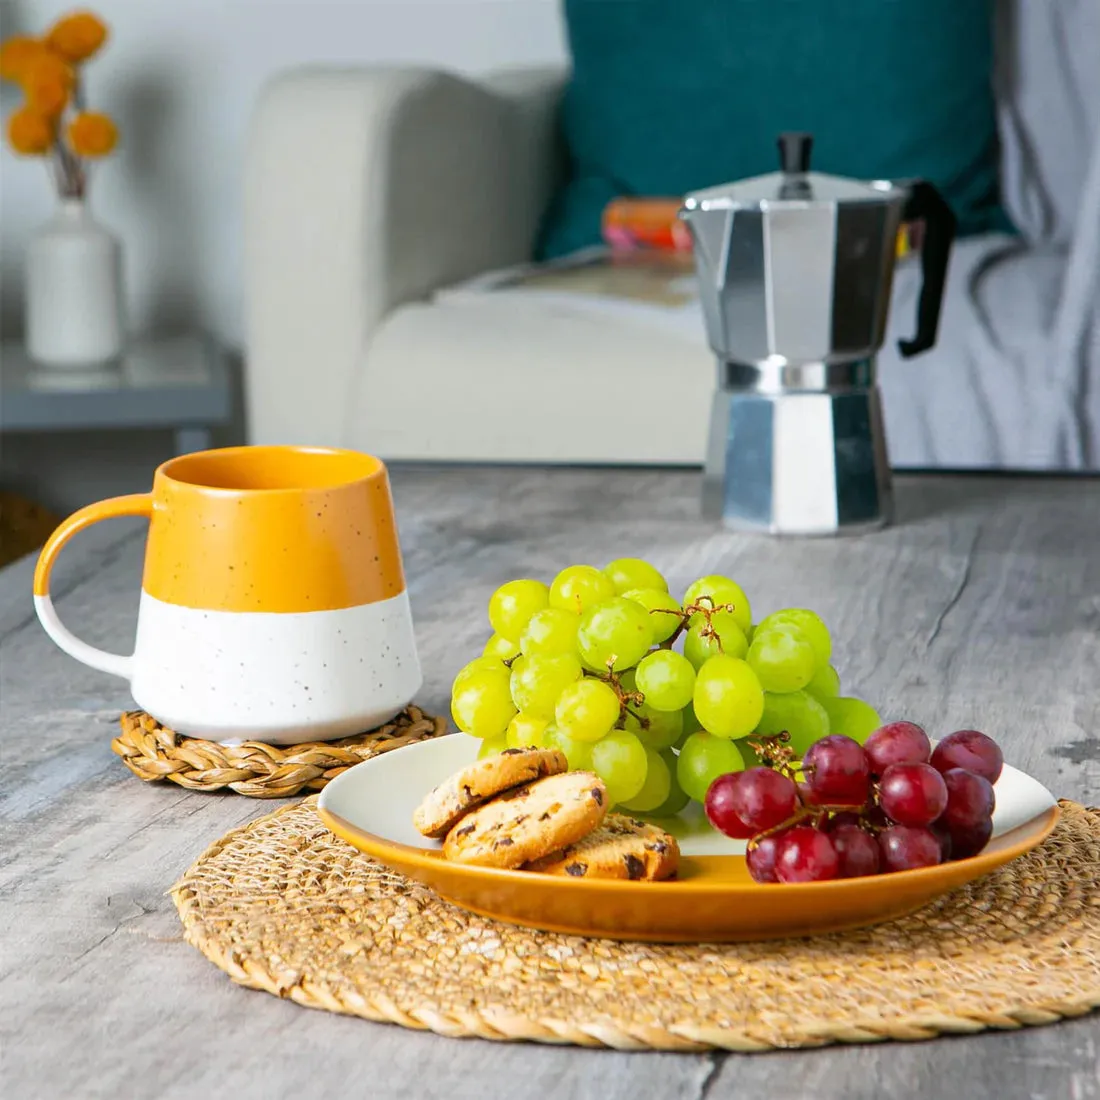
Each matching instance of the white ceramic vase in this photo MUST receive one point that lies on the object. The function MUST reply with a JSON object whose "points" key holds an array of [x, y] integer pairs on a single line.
{"points": [[74, 291]]}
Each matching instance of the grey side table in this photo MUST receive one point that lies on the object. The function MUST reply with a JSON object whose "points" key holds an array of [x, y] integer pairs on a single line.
{"points": [[180, 383]]}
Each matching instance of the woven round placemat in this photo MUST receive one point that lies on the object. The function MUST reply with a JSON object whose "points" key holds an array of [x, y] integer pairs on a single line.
{"points": [[284, 906], [154, 752]]}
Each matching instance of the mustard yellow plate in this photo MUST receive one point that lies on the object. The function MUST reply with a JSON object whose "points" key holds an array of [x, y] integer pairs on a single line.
{"points": [[712, 899]]}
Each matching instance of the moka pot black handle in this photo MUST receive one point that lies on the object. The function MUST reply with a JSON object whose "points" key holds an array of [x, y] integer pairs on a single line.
{"points": [[927, 204]]}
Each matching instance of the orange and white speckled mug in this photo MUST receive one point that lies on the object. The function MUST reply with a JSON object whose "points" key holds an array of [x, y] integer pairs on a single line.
{"points": [[273, 602]]}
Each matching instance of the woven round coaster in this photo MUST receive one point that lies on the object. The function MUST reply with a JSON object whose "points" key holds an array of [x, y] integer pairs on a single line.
{"points": [[284, 906], [152, 752]]}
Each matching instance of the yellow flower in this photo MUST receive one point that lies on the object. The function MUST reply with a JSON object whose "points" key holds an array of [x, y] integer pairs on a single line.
{"points": [[92, 134], [77, 37], [30, 133], [16, 56], [48, 82]]}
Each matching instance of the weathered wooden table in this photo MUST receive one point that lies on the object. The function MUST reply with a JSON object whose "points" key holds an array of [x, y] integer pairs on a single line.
{"points": [[981, 607]]}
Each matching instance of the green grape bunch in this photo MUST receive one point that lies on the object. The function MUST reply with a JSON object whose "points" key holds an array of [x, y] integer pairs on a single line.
{"points": [[658, 696]]}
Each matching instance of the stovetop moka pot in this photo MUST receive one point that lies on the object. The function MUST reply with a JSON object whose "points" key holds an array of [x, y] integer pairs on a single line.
{"points": [[794, 272]]}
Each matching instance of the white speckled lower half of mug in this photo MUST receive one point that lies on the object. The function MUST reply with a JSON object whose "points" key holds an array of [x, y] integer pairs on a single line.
{"points": [[282, 678]]}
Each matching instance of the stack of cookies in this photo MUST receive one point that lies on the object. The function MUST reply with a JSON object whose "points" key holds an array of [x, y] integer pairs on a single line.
{"points": [[525, 809]]}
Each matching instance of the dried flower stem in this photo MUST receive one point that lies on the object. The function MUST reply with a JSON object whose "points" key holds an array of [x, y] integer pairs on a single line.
{"points": [[69, 174]]}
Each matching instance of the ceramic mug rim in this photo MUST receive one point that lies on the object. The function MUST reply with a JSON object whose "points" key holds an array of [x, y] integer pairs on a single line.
{"points": [[333, 468]]}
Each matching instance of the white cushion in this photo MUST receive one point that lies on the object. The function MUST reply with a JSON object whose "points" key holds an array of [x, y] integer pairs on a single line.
{"points": [[503, 379]]}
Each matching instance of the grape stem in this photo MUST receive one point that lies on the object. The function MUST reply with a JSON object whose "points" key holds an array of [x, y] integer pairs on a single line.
{"points": [[705, 609], [681, 626], [805, 814], [612, 679], [777, 754]]}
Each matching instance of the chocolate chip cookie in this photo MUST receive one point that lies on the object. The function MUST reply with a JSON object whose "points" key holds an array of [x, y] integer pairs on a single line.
{"points": [[622, 847], [448, 803], [529, 822]]}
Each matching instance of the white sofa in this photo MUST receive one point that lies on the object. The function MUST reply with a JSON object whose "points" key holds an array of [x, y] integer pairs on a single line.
{"points": [[368, 190]]}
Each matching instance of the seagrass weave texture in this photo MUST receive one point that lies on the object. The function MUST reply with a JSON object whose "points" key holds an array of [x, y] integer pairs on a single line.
{"points": [[284, 906], [152, 752]]}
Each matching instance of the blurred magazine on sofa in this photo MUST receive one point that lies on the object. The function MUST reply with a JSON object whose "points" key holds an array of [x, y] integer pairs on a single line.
{"points": [[645, 287]]}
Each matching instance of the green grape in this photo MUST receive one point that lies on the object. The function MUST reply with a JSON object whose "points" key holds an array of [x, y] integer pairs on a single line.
{"points": [[852, 717], [825, 683], [616, 630], [512, 605], [628, 573], [550, 630], [481, 704], [666, 679], [587, 709], [812, 626], [620, 760], [750, 633], [540, 679], [578, 587], [689, 728], [677, 797], [656, 788], [728, 697], [658, 729], [689, 719], [722, 591], [478, 664], [491, 746], [659, 604], [525, 731], [500, 647], [698, 648], [578, 754], [782, 658], [797, 713], [702, 760]]}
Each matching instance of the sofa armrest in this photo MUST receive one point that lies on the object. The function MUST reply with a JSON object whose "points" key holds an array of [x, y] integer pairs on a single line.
{"points": [[366, 188]]}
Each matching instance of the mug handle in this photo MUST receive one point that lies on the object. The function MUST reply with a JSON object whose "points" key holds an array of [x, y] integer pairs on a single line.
{"points": [[137, 504]]}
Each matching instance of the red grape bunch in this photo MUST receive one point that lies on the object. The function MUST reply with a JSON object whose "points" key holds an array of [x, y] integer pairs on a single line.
{"points": [[848, 810]]}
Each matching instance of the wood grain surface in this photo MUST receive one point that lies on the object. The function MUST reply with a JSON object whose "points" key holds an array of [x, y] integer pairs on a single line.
{"points": [[980, 607]]}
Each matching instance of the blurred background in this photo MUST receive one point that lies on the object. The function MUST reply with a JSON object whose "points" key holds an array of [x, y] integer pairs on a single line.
{"points": [[328, 202], [182, 80]]}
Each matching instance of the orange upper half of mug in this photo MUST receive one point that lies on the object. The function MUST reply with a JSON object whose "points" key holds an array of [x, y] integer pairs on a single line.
{"points": [[272, 529]]}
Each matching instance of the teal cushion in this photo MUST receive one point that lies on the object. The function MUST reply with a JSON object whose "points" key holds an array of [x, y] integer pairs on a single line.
{"points": [[668, 96]]}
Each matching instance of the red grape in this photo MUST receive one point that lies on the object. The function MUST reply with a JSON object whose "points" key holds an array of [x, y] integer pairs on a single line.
{"points": [[761, 858], [719, 807], [970, 799], [897, 743], [856, 850], [970, 841], [905, 848], [763, 798], [837, 770], [805, 855], [941, 832], [912, 794], [971, 750]]}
